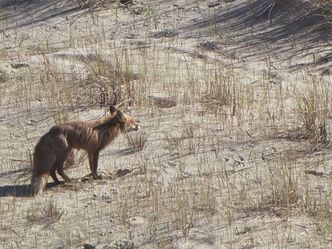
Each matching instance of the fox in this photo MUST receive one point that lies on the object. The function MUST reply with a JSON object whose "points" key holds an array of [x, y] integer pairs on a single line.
{"points": [[56, 146]]}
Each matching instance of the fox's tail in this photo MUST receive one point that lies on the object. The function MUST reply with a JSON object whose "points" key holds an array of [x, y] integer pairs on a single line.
{"points": [[38, 183]]}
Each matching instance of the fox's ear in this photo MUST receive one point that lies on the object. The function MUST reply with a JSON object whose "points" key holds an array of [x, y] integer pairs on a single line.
{"points": [[112, 109], [120, 116]]}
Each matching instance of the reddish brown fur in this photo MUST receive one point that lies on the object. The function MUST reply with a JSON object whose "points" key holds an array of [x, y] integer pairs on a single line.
{"points": [[92, 136]]}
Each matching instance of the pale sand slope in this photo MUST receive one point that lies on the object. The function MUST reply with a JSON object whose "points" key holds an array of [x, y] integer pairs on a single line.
{"points": [[232, 165]]}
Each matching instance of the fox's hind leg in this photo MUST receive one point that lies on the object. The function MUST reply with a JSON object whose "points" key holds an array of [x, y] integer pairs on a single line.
{"points": [[62, 153], [53, 174], [62, 173], [58, 167], [42, 168], [70, 160]]}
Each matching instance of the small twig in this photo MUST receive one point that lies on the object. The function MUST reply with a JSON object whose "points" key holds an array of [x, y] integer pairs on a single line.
{"points": [[274, 4], [121, 103]]}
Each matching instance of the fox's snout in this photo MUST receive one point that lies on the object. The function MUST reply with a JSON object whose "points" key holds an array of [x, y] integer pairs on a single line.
{"points": [[135, 126]]}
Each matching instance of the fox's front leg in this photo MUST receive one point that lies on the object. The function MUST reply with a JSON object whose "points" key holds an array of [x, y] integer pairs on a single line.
{"points": [[93, 162]]}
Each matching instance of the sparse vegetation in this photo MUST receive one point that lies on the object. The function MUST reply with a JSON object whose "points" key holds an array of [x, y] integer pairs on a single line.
{"points": [[221, 93], [137, 141], [314, 110], [46, 216], [92, 4], [188, 132], [235, 154]]}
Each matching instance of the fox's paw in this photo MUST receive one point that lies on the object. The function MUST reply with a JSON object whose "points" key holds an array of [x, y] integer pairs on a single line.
{"points": [[97, 176], [67, 179]]}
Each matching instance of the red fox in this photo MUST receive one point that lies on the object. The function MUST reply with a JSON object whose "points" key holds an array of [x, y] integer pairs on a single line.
{"points": [[92, 136]]}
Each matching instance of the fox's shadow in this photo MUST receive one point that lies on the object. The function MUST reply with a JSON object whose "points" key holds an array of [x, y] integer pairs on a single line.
{"points": [[124, 152], [19, 190]]}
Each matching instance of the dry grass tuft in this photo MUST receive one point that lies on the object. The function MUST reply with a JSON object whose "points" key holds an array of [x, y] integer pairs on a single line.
{"points": [[220, 93], [124, 245], [48, 215], [174, 143], [314, 112], [92, 4], [325, 3], [284, 188], [188, 132], [137, 141], [112, 81]]}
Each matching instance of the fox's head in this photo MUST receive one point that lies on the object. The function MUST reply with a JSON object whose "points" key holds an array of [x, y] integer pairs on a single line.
{"points": [[127, 123]]}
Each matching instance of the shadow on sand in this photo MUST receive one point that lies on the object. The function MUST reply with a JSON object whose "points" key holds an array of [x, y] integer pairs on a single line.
{"points": [[20, 13], [19, 190], [124, 152], [294, 28]]}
